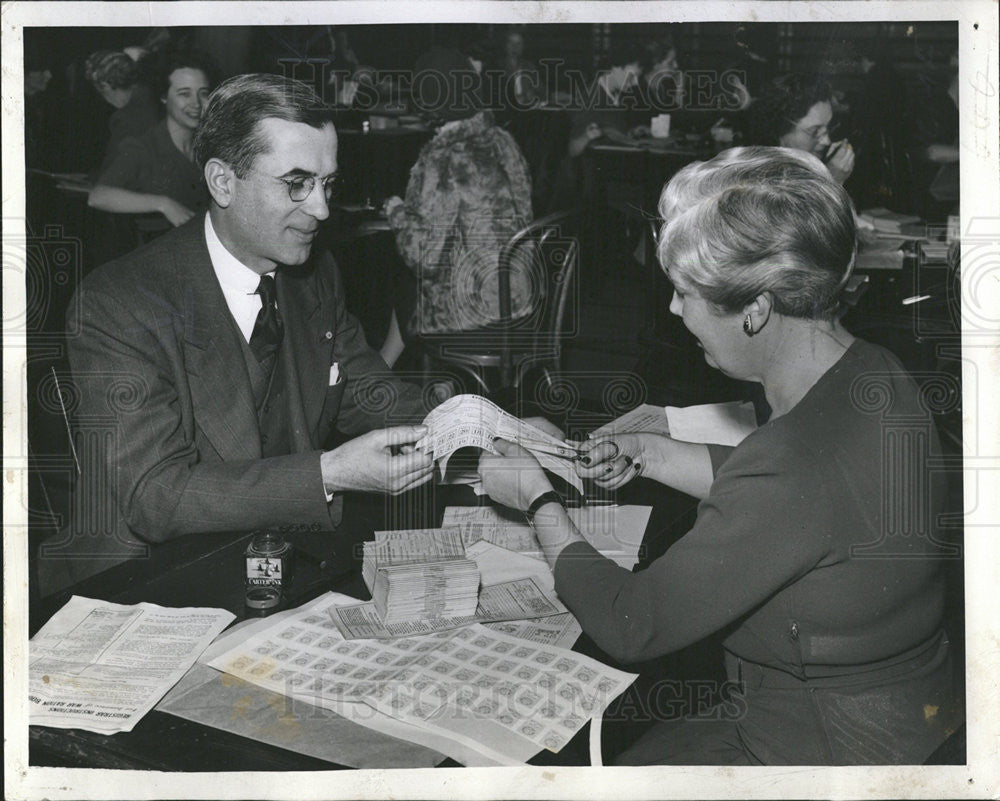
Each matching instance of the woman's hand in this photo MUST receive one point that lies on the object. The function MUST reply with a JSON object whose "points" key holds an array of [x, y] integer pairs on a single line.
{"points": [[390, 205], [176, 213], [612, 461], [514, 478], [840, 160]]}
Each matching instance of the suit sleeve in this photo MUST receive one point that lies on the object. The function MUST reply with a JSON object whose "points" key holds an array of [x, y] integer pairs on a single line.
{"points": [[128, 374], [738, 554], [374, 396]]}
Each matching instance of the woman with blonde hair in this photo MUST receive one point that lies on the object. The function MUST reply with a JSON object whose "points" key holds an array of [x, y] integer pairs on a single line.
{"points": [[815, 549]]}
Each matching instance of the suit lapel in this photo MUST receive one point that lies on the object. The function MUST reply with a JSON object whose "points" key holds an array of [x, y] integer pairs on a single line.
{"points": [[307, 346], [220, 386]]}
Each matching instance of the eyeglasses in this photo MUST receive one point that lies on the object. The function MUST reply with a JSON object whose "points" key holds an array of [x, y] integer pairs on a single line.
{"points": [[816, 132], [301, 186]]}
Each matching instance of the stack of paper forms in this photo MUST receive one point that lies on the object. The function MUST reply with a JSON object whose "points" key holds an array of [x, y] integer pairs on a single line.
{"points": [[420, 574]]}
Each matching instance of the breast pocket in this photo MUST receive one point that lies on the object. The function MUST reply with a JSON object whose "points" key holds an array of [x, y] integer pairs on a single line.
{"points": [[331, 408]]}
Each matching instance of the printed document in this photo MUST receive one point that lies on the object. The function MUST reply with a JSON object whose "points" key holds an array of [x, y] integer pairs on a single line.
{"points": [[101, 666], [713, 423], [615, 531], [472, 421], [488, 691], [644, 418], [514, 600]]}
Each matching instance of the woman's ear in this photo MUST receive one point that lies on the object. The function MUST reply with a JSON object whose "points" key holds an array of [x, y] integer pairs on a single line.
{"points": [[220, 179], [758, 312]]}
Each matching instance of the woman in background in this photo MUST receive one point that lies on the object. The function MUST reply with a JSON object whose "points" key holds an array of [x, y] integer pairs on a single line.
{"points": [[833, 618], [155, 172], [468, 193], [795, 111], [116, 78]]}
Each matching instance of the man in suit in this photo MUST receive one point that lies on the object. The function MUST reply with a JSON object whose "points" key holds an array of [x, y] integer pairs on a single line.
{"points": [[212, 366]]}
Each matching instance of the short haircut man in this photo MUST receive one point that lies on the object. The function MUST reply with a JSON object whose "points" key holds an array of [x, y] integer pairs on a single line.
{"points": [[213, 365]]}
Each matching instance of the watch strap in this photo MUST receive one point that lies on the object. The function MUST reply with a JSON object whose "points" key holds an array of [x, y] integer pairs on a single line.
{"points": [[546, 497]]}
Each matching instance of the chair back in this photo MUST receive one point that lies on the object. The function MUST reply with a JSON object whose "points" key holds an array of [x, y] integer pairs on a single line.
{"points": [[552, 250]]}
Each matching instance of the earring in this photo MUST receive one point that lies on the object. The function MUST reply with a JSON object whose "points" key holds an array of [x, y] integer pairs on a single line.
{"points": [[748, 326]]}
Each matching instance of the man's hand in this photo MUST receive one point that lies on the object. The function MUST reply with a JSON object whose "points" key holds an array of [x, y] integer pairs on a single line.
{"points": [[176, 213], [379, 461], [840, 160], [514, 478]]}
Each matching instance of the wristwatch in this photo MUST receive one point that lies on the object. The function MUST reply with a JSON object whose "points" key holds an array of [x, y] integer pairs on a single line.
{"points": [[546, 497]]}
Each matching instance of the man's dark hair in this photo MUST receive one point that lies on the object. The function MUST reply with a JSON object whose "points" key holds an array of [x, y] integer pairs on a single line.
{"points": [[185, 59], [230, 126], [780, 107]]}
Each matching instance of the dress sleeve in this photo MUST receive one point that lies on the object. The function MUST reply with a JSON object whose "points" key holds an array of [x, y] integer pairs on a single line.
{"points": [[515, 165], [126, 168], [739, 553], [429, 212]]}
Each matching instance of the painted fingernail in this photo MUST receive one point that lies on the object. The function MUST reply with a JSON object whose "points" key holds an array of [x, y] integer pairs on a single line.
{"points": [[628, 460], [608, 469], [637, 467], [585, 460]]}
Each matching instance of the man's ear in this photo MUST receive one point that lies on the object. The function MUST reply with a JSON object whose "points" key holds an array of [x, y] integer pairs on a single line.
{"points": [[220, 179]]}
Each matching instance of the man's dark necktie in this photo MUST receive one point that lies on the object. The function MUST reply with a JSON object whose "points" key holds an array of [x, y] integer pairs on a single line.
{"points": [[268, 330]]}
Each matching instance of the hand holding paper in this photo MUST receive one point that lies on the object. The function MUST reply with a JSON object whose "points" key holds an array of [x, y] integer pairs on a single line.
{"points": [[377, 462], [473, 421]]}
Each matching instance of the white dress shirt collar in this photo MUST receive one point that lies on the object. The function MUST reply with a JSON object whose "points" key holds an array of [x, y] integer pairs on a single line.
{"points": [[239, 283]]}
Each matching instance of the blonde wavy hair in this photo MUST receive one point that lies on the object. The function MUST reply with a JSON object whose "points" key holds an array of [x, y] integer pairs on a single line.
{"points": [[760, 219]]}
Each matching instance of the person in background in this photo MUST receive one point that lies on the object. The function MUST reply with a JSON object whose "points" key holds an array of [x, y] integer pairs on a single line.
{"points": [[749, 70], [661, 88], [602, 109], [116, 78], [155, 172], [605, 114], [663, 81], [521, 78], [879, 131], [796, 111], [40, 112], [833, 619], [935, 149], [468, 193]]}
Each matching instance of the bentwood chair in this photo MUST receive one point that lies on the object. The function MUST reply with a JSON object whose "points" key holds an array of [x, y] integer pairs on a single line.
{"points": [[499, 355]]}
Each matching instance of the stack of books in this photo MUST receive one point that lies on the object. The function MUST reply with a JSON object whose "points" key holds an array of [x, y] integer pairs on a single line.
{"points": [[420, 574]]}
